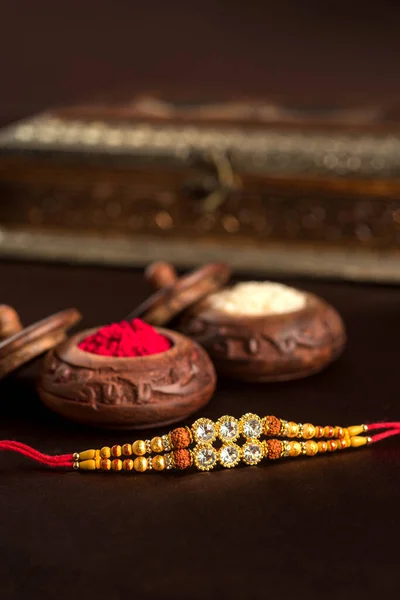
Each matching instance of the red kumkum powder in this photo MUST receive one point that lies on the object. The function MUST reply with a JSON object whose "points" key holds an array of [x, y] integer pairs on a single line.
{"points": [[126, 339]]}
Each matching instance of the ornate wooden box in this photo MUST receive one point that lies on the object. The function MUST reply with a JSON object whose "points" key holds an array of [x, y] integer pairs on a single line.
{"points": [[265, 186]]}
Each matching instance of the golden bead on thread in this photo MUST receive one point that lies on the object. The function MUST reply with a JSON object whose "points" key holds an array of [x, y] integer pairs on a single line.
{"points": [[127, 464], [105, 452], [116, 451], [140, 464], [332, 445], [87, 454], [293, 429], [156, 444], [116, 464], [311, 448], [355, 430], [294, 449], [127, 449], [158, 463], [88, 465], [357, 441], [308, 431], [322, 446], [139, 448], [106, 464]]}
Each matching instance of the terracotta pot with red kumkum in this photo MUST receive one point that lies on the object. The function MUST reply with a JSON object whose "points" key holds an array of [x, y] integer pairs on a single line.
{"points": [[127, 375]]}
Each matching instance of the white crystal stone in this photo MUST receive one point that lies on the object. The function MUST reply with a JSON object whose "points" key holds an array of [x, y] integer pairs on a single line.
{"points": [[229, 455], [228, 428], [251, 427], [252, 453], [285, 428], [204, 430], [167, 445], [206, 457], [286, 449]]}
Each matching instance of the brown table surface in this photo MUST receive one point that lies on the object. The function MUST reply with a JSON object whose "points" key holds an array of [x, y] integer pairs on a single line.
{"points": [[323, 527]]}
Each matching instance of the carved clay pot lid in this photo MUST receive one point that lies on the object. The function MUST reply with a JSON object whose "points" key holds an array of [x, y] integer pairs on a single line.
{"points": [[175, 294], [36, 339]]}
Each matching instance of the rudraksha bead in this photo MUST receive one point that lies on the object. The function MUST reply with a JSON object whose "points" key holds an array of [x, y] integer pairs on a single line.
{"points": [[274, 449], [182, 459], [272, 425], [180, 438]]}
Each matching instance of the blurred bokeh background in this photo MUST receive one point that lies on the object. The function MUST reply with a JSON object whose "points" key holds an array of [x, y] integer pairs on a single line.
{"points": [[317, 56], [55, 52]]}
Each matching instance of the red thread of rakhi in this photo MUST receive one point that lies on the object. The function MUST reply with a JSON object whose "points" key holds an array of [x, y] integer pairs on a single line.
{"points": [[62, 460], [390, 429], [126, 339]]}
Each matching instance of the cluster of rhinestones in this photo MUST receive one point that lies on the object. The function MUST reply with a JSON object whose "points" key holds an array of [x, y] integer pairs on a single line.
{"points": [[169, 461], [285, 449], [227, 430], [166, 442]]}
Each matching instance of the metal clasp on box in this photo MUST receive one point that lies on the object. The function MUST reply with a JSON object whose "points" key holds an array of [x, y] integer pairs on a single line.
{"points": [[216, 182]]}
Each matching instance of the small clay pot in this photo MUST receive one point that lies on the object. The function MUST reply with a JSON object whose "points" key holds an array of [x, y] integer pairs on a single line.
{"points": [[268, 348], [127, 393]]}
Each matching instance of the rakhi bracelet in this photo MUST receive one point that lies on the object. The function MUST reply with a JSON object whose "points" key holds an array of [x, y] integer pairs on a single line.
{"points": [[207, 444]]}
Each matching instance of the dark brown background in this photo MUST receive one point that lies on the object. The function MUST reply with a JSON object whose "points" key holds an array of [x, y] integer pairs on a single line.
{"points": [[323, 527], [53, 52]]}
